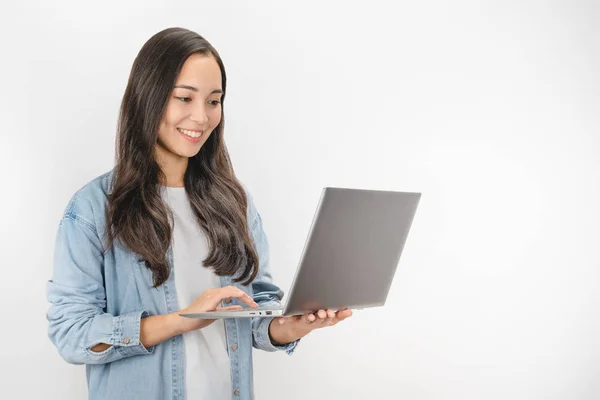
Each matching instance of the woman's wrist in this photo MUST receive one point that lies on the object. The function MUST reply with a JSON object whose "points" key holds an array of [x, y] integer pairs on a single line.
{"points": [[181, 324]]}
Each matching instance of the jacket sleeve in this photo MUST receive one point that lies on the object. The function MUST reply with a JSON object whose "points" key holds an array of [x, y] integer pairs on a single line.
{"points": [[266, 293], [77, 317]]}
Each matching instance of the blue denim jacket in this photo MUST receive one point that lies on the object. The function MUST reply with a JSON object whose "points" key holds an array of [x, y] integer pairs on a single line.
{"points": [[99, 295]]}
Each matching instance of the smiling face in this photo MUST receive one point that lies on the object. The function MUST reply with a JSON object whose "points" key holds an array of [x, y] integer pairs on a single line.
{"points": [[193, 110]]}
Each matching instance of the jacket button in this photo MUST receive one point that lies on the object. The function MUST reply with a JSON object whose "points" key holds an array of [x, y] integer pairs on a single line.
{"points": [[234, 346], [228, 300], [236, 392], [126, 340]]}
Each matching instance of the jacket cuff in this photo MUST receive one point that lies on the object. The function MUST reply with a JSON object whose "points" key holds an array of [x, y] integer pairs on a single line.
{"points": [[263, 339], [126, 334]]}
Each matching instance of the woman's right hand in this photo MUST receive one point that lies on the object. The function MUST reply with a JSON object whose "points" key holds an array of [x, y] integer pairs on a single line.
{"points": [[210, 301]]}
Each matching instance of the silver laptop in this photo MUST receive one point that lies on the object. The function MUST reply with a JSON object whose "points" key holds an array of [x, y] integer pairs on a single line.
{"points": [[350, 255]]}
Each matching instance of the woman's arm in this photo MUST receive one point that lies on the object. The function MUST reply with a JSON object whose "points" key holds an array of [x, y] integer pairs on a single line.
{"points": [[77, 322], [154, 330], [158, 328]]}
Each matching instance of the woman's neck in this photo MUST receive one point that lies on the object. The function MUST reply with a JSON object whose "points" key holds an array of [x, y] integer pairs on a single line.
{"points": [[173, 167]]}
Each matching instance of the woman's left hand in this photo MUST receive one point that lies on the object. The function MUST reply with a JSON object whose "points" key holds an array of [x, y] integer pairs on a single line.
{"points": [[289, 329]]}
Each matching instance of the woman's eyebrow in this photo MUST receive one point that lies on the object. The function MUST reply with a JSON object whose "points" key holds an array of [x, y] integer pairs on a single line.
{"points": [[193, 89]]}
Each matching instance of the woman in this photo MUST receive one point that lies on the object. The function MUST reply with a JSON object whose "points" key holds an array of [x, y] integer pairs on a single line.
{"points": [[169, 230]]}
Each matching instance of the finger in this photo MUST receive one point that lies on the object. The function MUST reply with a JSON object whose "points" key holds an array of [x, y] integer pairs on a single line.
{"points": [[342, 315], [309, 318], [322, 314], [322, 322], [232, 291], [330, 320]]}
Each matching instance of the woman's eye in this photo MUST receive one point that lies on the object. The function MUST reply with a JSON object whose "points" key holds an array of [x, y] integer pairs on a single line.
{"points": [[184, 99], [214, 102]]}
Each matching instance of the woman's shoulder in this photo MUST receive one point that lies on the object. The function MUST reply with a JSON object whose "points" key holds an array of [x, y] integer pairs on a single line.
{"points": [[88, 203]]}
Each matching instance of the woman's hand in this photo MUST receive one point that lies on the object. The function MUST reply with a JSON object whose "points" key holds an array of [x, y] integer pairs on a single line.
{"points": [[210, 301], [289, 329]]}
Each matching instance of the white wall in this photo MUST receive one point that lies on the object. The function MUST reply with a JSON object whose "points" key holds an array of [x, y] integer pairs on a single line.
{"points": [[489, 108]]}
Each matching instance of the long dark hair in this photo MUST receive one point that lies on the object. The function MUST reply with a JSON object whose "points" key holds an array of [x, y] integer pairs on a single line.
{"points": [[136, 214]]}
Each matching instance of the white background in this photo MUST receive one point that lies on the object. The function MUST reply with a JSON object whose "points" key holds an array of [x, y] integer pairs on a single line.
{"points": [[490, 109]]}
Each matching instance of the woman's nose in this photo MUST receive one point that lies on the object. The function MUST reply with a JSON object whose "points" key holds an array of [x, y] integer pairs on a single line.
{"points": [[199, 116]]}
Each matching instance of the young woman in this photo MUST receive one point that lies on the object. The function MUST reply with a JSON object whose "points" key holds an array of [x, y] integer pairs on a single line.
{"points": [[170, 229]]}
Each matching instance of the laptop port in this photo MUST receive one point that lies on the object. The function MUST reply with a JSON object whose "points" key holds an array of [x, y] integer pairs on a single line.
{"points": [[268, 312]]}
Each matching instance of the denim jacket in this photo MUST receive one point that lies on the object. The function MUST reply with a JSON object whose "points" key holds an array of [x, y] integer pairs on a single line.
{"points": [[99, 295]]}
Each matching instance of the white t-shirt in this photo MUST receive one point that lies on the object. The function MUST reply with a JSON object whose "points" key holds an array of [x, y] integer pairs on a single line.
{"points": [[207, 367]]}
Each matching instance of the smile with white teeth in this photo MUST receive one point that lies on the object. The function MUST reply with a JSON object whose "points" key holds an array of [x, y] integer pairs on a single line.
{"points": [[194, 134]]}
